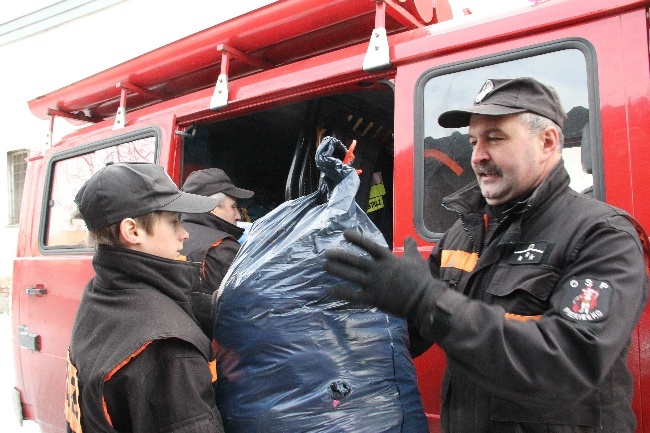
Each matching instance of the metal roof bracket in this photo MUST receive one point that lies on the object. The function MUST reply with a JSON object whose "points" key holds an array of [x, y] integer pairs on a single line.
{"points": [[50, 132], [124, 86], [76, 116], [220, 95], [378, 55], [120, 116]]}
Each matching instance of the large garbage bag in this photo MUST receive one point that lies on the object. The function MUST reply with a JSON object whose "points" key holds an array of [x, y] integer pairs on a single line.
{"points": [[290, 358]]}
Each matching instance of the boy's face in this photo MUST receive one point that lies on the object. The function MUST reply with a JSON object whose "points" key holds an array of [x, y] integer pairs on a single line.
{"points": [[167, 237]]}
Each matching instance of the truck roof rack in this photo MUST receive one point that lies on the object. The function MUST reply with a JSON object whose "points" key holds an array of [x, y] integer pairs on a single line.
{"points": [[278, 34]]}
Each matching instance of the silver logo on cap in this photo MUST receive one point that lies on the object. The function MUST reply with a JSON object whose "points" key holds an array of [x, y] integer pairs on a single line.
{"points": [[487, 88]]}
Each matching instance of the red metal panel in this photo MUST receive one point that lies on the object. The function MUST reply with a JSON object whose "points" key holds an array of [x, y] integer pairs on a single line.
{"points": [[624, 94], [633, 51]]}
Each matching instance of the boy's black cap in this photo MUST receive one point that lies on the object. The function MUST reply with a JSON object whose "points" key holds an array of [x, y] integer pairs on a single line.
{"points": [[212, 181], [499, 97], [128, 190]]}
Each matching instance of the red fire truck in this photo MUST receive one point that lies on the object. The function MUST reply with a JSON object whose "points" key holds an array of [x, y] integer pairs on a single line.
{"points": [[255, 94]]}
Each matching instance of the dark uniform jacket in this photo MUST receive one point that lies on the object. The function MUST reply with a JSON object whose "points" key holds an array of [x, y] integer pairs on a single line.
{"points": [[561, 280], [213, 243], [138, 361]]}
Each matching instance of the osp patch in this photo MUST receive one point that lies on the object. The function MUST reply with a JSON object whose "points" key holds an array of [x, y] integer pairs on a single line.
{"points": [[586, 300]]}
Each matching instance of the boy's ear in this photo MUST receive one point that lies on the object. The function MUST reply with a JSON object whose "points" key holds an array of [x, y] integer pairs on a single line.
{"points": [[130, 233]]}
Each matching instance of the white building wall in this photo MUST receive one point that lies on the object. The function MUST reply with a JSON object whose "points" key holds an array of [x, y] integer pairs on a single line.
{"points": [[62, 55]]}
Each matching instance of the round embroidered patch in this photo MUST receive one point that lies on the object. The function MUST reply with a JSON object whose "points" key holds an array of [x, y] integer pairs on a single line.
{"points": [[586, 299]]}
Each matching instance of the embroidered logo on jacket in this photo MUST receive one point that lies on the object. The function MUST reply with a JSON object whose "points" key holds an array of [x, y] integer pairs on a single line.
{"points": [[525, 254], [586, 300]]}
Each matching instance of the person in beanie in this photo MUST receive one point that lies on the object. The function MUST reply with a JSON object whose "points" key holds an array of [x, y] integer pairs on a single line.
{"points": [[138, 361], [532, 294], [213, 236]]}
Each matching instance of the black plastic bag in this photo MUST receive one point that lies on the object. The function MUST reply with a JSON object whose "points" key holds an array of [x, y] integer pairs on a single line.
{"points": [[290, 358]]}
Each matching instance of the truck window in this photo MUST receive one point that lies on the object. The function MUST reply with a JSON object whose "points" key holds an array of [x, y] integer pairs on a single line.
{"points": [[68, 174], [272, 151], [443, 155]]}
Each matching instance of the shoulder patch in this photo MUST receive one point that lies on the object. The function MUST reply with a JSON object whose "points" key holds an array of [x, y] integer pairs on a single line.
{"points": [[530, 253], [586, 300]]}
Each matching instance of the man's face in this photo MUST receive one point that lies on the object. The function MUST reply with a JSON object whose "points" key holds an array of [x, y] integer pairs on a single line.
{"points": [[167, 237], [506, 158], [228, 210]]}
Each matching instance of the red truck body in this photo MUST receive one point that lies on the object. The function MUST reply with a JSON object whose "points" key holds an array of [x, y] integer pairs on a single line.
{"points": [[294, 71]]}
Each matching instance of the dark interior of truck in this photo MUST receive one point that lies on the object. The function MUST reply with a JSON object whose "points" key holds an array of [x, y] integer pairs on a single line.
{"points": [[272, 151]]}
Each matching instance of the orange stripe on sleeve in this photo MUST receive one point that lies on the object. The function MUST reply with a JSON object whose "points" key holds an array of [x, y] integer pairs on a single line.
{"points": [[213, 369], [459, 260], [520, 318]]}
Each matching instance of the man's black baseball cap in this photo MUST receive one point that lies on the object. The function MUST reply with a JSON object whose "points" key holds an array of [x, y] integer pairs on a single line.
{"points": [[128, 190], [212, 181], [500, 97]]}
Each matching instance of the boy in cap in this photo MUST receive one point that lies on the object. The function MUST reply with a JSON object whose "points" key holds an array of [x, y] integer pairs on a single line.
{"points": [[138, 361], [213, 235], [533, 293]]}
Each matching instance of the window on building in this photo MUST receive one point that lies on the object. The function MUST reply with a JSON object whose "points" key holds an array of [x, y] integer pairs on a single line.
{"points": [[16, 168]]}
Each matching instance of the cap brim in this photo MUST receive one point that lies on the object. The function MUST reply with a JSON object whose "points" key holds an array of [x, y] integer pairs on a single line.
{"points": [[190, 203], [460, 118], [238, 193]]}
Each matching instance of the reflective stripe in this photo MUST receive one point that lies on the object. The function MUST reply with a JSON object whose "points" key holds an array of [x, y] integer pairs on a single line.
{"points": [[520, 318], [108, 417], [115, 370], [459, 260], [126, 361], [72, 408], [213, 369], [214, 245]]}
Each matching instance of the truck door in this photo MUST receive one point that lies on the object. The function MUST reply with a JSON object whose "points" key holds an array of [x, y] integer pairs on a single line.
{"points": [[582, 64], [50, 284]]}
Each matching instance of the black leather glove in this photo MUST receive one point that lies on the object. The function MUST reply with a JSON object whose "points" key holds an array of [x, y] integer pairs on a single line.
{"points": [[401, 286]]}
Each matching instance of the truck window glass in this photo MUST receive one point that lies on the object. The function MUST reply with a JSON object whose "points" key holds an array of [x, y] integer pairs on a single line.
{"points": [[68, 175], [447, 153]]}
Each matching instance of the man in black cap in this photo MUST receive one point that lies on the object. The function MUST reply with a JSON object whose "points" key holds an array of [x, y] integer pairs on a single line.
{"points": [[533, 293], [138, 361], [213, 236]]}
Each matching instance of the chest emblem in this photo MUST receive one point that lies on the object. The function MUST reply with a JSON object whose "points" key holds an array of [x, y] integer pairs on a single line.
{"points": [[586, 300], [525, 254]]}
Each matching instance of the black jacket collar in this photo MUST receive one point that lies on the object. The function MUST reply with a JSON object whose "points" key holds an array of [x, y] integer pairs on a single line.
{"points": [[120, 269], [210, 220]]}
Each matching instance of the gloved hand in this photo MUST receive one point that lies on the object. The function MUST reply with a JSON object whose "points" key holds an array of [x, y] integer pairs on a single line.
{"points": [[401, 286]]}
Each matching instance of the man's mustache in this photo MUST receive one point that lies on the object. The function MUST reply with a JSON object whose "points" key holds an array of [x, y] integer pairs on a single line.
{"points": [[487, 169]]}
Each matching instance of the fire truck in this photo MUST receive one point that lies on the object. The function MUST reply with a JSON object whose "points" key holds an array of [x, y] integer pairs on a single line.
{"points": [[254, 96]]}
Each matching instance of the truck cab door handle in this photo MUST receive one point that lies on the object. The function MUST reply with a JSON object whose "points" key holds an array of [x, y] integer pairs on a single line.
{"points": [[38, 290]]}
